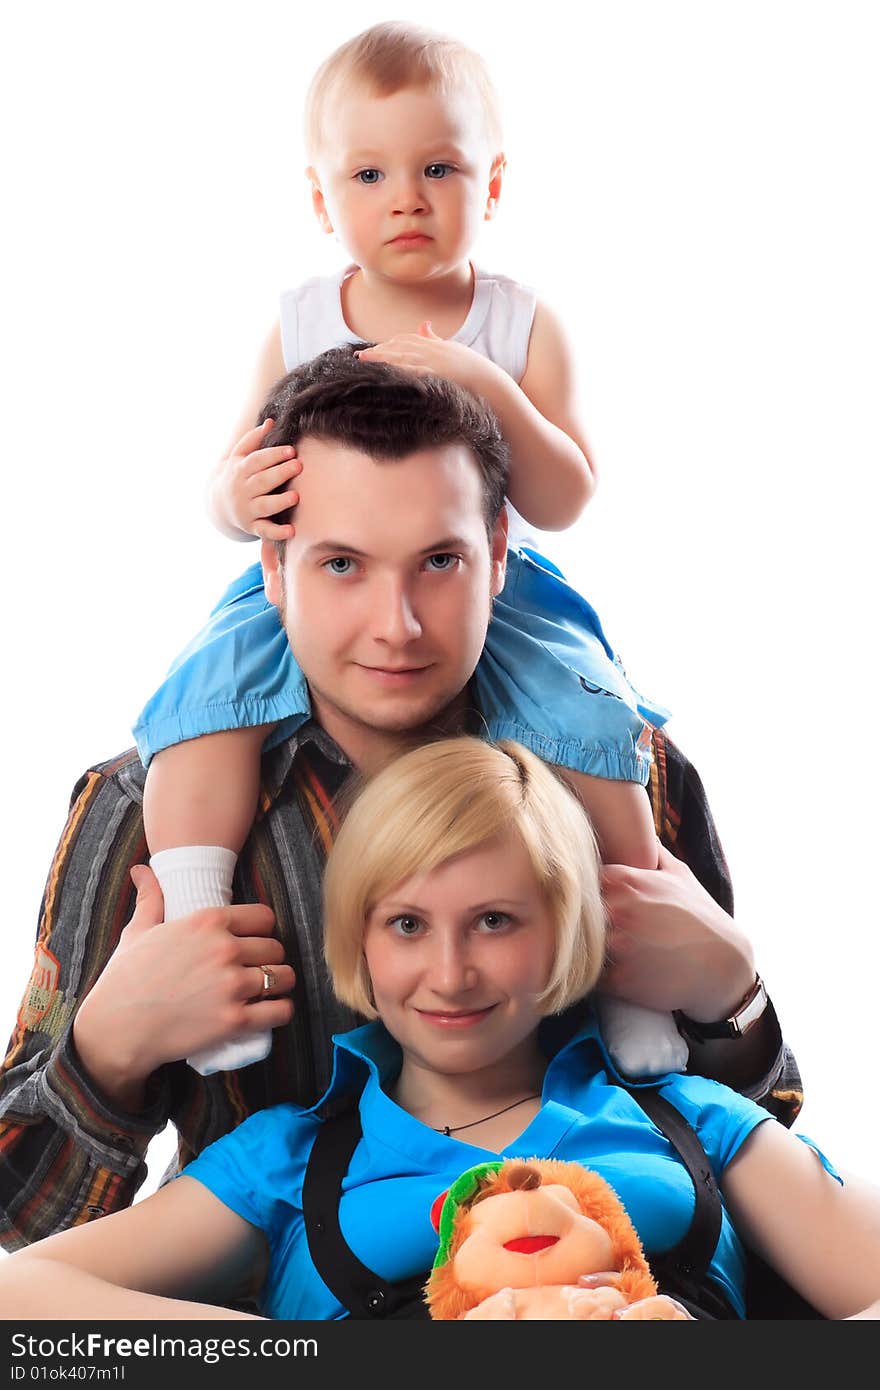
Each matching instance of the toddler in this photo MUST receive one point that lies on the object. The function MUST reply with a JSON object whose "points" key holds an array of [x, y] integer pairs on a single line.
{"points": [[404, 139]]}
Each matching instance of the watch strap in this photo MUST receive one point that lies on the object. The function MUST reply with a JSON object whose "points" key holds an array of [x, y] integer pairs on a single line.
{"points": [[744, 1017]]}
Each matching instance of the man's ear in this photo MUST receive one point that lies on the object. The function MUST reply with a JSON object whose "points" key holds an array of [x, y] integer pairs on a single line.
{"points": [[496, 179], [499, 554], [273, 577], [318, 203]]}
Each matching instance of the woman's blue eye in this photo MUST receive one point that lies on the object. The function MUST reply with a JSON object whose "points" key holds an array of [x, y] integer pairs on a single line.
{"points": [[437, 171], [441, 562], [369, 175], [494, 920], [406, 925], [340, 564]]}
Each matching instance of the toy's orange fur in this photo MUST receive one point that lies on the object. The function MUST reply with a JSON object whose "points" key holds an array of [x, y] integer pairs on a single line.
{"points": [[597, 1201]]}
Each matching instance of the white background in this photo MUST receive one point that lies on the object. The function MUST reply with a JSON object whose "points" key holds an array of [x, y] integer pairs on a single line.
{"points": [[694, 187]]}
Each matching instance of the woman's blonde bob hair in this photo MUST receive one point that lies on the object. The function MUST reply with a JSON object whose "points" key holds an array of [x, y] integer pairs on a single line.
{"points": [[442, 800]]}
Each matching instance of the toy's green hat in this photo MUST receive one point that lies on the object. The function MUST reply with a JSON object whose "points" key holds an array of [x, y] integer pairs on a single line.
{"points": [[461, 1191]]}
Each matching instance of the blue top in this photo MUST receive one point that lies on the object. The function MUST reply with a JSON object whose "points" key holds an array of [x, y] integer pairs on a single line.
{"points": [[400, 1165]]}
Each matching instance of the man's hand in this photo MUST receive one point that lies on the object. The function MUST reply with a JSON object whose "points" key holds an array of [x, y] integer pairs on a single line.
{"points": [[174, 988], [245, 485], [670, 945], [426, 354]]}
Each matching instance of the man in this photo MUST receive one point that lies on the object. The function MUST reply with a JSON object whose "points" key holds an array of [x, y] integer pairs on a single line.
{"points": [[385, 591]]}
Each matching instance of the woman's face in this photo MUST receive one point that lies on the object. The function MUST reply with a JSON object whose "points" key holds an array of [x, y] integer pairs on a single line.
{"points": [[457, 957]]}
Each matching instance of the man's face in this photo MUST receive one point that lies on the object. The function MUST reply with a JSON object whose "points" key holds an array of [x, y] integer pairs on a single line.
{"points": [[387, 586]]}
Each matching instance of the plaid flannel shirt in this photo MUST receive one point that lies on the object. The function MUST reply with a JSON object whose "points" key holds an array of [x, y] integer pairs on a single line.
{"points": [[67, 1153]]}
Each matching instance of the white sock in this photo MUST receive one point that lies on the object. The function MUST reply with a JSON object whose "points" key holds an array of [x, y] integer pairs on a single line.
{"points": [[194, 876]]}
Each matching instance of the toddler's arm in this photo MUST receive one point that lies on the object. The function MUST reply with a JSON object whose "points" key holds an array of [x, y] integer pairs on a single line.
{"points": [[204, 791], [621, 816], [242, 496], [551, 474]]}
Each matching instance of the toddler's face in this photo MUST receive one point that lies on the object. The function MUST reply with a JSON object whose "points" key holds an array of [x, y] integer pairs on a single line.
{"points": [[405, 181]]}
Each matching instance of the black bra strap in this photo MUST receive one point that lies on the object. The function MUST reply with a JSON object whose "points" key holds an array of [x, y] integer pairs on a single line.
{"points": [[681, 1271], [696, 1248], [358, 1288]]}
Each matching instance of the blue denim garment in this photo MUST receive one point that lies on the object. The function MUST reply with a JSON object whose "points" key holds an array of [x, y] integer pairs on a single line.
{"points": [[548, 677]]}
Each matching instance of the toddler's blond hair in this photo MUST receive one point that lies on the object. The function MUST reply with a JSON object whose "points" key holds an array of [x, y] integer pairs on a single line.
{"points": [[390, 57]]}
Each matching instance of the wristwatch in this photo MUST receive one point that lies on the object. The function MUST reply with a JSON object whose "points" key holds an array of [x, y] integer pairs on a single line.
{"points": [[744, 1017]]}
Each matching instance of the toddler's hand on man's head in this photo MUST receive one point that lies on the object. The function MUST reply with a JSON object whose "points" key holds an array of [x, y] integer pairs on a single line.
{"points": [[425, 354], [254, 484]]}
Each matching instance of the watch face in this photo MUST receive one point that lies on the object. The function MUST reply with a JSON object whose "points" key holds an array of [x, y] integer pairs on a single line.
{"points": [[752, 1011], [748, 1014]]}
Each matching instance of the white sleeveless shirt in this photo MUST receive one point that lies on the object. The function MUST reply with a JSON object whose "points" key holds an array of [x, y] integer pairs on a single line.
{"points": [[498, 325]]}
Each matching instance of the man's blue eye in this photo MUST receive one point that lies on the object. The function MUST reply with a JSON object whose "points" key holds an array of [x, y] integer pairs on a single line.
{"points": [[442, 562], [340, 564], [437, 171], [369, 175]]}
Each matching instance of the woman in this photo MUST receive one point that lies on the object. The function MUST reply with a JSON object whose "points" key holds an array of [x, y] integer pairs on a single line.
{"points": [[463, 914]]}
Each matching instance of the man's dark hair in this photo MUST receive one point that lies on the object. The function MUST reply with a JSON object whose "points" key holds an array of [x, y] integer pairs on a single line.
{"points": [[386, 413]]}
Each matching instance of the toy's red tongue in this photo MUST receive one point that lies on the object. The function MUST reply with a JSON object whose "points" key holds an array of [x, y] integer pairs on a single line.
{"points": [[529, 1245]]}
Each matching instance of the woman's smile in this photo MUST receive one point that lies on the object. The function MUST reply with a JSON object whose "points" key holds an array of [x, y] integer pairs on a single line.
{"points": [[455, 1018]]}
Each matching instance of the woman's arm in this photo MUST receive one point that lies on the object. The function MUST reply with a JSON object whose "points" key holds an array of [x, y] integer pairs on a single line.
{"points": [[167, 1257], [823, 1238]]}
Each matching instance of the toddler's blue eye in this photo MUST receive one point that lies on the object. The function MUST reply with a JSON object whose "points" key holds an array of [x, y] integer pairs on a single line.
{"points": [[438, 171], [369, 176]]}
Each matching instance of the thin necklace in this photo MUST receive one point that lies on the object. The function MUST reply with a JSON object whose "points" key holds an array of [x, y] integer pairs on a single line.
{"points": [[454, 1129]]}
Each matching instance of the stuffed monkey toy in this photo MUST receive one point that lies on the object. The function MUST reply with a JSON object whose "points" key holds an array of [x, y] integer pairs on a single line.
{"points": [[540, 1239]]}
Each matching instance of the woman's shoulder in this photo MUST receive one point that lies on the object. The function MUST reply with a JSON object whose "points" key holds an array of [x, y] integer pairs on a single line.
{"points": [[279, 1133], [257, 1168], [284, 1118], [721, 1117], [357, 1054]]}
